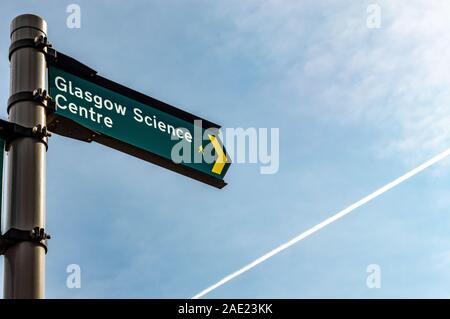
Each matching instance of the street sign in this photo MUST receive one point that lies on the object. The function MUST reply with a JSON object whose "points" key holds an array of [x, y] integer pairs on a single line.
{"points": [[88, 107], [92, 108]]}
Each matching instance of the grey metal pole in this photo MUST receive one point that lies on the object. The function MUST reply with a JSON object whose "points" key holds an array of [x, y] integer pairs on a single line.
{"points": [[24, 272]]}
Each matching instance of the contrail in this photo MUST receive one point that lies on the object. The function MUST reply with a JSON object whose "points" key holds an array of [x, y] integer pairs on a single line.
{"points": [[326, 222]]}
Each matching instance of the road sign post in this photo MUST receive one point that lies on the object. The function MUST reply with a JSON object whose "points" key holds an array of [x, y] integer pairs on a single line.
{"points": [[24, 265], [88, 107]]}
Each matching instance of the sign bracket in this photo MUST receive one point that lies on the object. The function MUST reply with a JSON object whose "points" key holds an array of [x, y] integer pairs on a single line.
{"points": [[12, 131], [39, 95], [40, 43], [14, 236]]}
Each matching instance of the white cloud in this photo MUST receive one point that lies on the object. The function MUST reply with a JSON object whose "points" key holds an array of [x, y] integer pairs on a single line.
{"points": [[395, 79]]}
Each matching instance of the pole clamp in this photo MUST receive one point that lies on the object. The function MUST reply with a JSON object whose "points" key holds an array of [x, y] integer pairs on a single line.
{"points": [[37, 95], [40, 43], [14, 236], [16, 131]]}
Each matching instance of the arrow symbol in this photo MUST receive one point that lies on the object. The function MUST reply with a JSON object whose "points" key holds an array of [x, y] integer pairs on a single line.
{"points": [[221, 157]]}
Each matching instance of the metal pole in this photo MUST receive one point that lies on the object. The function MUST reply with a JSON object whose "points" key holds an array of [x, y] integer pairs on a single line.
{"points": [[25, 208]]}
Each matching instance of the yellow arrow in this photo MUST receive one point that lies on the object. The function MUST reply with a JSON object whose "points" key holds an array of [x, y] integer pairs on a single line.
{"points": [[221, 157]]}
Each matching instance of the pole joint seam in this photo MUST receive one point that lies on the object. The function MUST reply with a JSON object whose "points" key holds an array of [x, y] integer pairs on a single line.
{"points": [[14, 236]]}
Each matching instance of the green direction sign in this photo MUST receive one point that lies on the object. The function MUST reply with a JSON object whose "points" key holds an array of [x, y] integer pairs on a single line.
{"points": [[92, 108]]}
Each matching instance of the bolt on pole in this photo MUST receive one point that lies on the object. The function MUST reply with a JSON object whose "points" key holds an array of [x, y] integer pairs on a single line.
{"points": [[24, 262]]}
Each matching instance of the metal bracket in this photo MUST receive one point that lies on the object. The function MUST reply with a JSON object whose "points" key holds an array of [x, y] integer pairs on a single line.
{"points": [[38, 132], [40, 43], [37, 95], [14, 236], [11, 131]]}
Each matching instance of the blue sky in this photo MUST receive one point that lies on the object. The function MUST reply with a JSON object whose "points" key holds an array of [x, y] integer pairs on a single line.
{"points": [[356, 108]]}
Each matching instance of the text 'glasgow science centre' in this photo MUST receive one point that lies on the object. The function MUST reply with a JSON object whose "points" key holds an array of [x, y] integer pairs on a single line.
{"points": [[98, 103]]}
